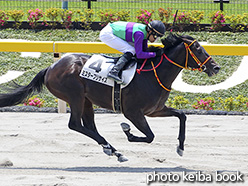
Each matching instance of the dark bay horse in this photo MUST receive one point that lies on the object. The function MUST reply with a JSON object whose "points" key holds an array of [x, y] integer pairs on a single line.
{"points": [[144, 96]]}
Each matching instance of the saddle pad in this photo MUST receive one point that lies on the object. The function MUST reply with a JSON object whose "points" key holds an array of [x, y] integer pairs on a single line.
{"points": [[97, 68]]}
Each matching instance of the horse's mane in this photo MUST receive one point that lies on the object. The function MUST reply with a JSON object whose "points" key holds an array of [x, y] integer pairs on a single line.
{"points": [[172, 40]]}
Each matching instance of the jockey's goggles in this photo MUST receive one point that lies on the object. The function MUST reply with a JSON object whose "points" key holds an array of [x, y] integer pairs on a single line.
{"points": [[156, 34]]}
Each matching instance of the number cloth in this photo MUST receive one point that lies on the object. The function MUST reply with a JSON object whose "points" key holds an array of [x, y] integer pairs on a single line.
{"points": [[97, 68]]}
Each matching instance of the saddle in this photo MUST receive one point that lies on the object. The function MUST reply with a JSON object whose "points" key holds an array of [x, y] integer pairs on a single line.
{"points": [[114, 60], [98, 66]]}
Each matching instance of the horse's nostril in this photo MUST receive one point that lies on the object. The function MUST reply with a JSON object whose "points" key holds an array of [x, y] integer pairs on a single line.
{"points": [[217, 68]]}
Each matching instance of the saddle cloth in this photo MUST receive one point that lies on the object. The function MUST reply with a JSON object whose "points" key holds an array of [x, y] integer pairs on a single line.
{"points": [[98, 66]]}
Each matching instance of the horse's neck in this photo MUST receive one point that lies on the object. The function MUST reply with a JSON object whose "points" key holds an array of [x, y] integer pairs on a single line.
{"points": [[178, 56]]}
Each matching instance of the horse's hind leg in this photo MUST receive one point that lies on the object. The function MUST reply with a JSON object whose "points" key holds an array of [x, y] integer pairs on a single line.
{"points": [[76, 124], [88, 116], [89, 123]]}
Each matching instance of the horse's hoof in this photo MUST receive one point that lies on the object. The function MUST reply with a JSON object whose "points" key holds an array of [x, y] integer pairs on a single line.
{"points": [[122, 158], [107, 150], [125, 127], [179, 151]]}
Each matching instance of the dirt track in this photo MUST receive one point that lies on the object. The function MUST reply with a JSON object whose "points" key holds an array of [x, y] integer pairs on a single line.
{"points": [[45, 152]]}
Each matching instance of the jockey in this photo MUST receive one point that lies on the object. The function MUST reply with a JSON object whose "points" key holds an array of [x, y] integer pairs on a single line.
{"points": [[131, 38]]}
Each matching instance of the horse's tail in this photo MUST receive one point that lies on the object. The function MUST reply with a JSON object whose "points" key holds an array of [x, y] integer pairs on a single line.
{"points": [[18, 94]]}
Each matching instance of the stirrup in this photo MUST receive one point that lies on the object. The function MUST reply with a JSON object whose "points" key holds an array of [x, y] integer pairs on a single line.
{"points": [[115, 78]]}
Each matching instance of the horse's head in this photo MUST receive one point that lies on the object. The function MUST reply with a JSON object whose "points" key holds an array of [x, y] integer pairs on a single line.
{"points": [[196, 56]]}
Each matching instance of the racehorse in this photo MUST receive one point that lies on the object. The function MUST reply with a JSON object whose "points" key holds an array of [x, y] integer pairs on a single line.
{"points": [[144, 96]]}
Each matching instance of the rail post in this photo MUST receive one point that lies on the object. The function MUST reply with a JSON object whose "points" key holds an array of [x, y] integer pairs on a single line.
{"points": [[61, 103], [65, 4], [221, 3], [89, 3]]}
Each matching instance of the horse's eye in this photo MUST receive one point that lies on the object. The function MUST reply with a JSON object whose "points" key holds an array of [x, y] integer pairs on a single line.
{"points": [[197, 45], [198, 48]]}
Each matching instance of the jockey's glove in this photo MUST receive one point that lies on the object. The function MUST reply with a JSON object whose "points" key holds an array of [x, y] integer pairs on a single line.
{"points": [[159, 52]]}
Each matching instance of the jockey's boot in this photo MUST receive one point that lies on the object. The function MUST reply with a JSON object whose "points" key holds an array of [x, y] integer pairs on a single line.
{"points": [[114, 72]]}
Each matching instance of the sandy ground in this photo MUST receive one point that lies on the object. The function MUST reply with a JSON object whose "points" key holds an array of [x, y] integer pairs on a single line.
{"points": [[45, 152]]}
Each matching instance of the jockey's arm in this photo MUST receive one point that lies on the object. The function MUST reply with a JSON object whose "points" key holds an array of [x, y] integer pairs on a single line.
{"points": [[139, 46]]}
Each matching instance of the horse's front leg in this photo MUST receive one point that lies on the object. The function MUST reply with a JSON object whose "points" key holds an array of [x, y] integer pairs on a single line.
{"points": [[139, 121], [166, 112]]}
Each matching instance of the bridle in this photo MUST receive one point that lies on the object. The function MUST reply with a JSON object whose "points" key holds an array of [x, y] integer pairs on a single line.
{"points": [[201, 65]]}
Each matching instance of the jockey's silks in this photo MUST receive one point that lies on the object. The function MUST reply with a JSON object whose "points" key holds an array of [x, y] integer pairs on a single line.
{"points": [[135, 33]]}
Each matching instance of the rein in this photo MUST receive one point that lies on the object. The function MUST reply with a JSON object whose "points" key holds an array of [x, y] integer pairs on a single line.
{"points": [[159, 82], [201, 65], [147, 70]]}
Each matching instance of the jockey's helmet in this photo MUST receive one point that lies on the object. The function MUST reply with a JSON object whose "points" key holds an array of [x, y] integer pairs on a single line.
{"points": [[157, 27]]}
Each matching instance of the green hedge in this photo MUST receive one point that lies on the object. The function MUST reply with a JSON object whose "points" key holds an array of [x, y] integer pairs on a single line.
{"points": [[52, 16]]}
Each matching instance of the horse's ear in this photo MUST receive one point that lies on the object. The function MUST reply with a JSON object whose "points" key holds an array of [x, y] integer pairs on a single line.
{"points": [[187, 39]]}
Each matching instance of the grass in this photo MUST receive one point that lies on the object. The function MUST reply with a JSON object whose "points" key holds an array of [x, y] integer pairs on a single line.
{"points": [[31, 66]]}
